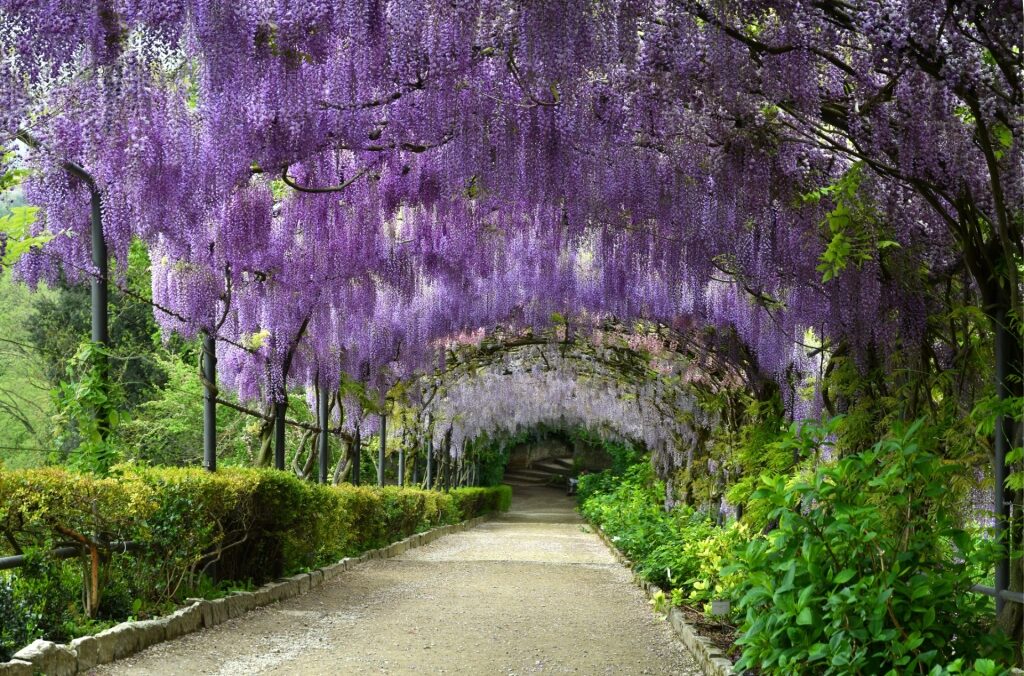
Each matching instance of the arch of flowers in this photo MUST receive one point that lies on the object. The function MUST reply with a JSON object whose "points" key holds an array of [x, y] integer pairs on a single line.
{"points": [[338, 191]]}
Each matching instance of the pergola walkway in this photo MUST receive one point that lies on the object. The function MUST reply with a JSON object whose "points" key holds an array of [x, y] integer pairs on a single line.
{"points": [[532, 592]]}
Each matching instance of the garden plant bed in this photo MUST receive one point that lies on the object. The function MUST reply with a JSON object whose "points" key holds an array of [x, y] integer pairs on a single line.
{"points": [[722, 635], [713, 655]]}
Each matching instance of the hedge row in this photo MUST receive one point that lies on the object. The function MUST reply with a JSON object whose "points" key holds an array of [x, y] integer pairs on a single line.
{"points": [[197, 529]]}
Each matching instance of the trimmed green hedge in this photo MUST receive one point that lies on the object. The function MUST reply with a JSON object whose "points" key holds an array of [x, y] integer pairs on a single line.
{"points": [[199, 532]]}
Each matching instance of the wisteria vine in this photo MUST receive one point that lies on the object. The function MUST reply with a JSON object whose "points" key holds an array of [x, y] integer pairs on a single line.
{"points": [[340, 190]]}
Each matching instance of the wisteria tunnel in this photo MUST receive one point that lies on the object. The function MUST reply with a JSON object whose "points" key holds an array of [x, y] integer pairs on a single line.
{"points": [[718, 297]]}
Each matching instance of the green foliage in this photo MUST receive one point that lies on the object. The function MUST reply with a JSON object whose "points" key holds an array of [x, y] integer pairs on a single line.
{"points": [[493, 460], [26, 405], [11, 178], [60, 323], [42, 598], [985, 414], [753, 446], [622, 453], [851, 228], [865, 567], [88, 406], [980, 667], [591, 485], [867, 571], [474, 500], [679, 550], [36, 504], [15, 234], [630, 513], [165, 431]]}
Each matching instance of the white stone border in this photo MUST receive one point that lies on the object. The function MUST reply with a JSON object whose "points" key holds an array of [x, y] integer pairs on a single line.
{"points": [[127, 638], [706, 653]]}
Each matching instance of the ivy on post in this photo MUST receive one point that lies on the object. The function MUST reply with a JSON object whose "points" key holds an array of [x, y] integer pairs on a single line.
{"points": [[1003, 435], [99, 330]]}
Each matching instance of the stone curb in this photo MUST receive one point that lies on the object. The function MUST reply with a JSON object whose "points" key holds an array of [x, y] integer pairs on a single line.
{"points": [[707, 655], [127, 638]]}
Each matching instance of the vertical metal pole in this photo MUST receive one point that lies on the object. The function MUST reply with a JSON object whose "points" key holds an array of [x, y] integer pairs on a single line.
{"points": [[325, 423], [448, 461], [442, 466], [1003, 428], [357, 451], [401, 466], [416, 468], [382, 449], [430, 462], [209, 402], [98, 286], [280, 410], [98, 289]]}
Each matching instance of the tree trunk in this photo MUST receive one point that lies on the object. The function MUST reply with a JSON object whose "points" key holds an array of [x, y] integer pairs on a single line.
{"points": [[266, 437], [342, 469], [356, 449], [303, 472]]}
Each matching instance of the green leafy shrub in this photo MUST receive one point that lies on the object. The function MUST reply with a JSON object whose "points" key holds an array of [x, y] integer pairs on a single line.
{"points": [[593, 484], [43, 598], [629, 510], [867, 571], [711, 552], [87, 406], [38, 506], [473, 501], [980, 667], [681, 550]]}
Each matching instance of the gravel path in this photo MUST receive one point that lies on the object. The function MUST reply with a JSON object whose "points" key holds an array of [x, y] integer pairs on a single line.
{"points": [[534, 591]]}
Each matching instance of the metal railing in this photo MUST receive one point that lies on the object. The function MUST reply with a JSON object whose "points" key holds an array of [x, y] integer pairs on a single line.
{"points": [[1006, 594], [69, 551]]}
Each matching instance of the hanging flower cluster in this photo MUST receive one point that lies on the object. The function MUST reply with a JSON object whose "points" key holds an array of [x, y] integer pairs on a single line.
{"points": [[338, 187]]}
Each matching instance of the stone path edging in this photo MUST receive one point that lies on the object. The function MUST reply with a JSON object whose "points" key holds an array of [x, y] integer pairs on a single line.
{"points": [[707, 655], [127, 638]]}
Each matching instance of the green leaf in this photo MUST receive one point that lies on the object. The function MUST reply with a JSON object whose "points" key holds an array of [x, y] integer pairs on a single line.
{"points": [[805, 617], [16, 225], [1002, 135], [844, 576]]}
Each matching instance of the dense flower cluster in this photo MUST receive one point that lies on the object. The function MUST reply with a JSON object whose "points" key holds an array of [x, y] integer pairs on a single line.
{"points": [[584, 384], [340, 187]]}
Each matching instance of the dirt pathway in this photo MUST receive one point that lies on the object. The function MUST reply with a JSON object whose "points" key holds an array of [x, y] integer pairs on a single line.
{"points": [[531, 592]]}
